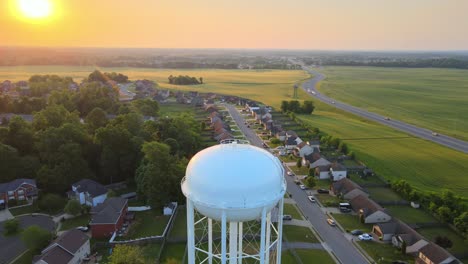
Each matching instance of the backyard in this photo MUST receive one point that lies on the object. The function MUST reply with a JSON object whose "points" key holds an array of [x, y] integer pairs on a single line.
{"points": [[147, 223], [382, 194], [459, 244], [82, 220], [410, 215]]}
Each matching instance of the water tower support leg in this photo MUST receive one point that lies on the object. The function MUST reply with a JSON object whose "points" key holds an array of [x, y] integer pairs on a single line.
{"points": [[210, 241], [268, 237], [262, 237], [280, 232], [232, 242], [241, 237], [190, 233], [223, 238]]}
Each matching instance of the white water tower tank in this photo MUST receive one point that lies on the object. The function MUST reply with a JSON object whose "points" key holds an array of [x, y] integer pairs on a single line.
{"points": [[234, 184]]}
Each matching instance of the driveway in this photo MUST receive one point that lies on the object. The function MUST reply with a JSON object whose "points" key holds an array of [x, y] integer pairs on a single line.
{"points": [[5, 215], [334, 239], [13, 246]]}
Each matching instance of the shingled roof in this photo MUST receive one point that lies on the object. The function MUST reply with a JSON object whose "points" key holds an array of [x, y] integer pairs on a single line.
{"points": [[15, 184], [108, 212], [436, 254], [344, 186], [368, 205], [64, 247], [93, 188]]}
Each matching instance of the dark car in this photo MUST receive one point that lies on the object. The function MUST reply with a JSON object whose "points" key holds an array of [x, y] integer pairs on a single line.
{"points": [[345, 210], [356, 232], [287, 217], [322, 191]]}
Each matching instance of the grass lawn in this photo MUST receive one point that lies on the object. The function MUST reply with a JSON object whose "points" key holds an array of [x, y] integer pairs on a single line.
{"points": [[81, 220], [179, 229], [172, 109], [288, 158], [459, 245], [383, 194], [173, 251], [317, 255], [26, 258], [151, 252], [403, 94], [300, 171], [351, 163], [299, 234], [290, 209], [350, 222], [409, 214], [368, 180], [287, 257], [34, 208], [322, 184], [384, 253], [147, 223], [328, 200]]}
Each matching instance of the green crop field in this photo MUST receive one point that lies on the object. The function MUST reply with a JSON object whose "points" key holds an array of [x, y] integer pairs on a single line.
{"points": [[432, 98]]}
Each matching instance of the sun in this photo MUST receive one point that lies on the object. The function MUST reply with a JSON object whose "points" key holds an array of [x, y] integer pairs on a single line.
{"points": [[35, 9]]}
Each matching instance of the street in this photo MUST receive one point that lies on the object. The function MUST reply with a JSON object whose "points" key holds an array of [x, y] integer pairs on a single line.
{"points": [[334, 239]]}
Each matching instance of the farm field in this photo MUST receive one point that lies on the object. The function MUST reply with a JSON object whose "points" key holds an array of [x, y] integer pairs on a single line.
{"points": [[431, 98]]}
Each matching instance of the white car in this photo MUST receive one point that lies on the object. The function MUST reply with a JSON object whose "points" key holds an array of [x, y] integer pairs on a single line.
{"points": [[302, 186], [311, 198], [83, 228], [290, 173], [365, 237]]}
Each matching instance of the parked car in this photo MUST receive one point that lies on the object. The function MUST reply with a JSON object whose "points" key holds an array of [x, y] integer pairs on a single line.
{"points": [[387, 118], [287, 217], [356, 232], [322, 191], [302, 186], [365, 237], [83, 228], [435, 134], [297, 182], [333, 102], [331, 222], [311, 198], [345, 210]]}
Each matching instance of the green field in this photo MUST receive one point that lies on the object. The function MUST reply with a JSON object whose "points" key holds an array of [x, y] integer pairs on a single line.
{"points": [[382, 194], [432, 98], [409, 214]]}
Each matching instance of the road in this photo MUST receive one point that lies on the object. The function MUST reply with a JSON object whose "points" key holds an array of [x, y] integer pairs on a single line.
{"points": [[311, 85], [334, 239]]}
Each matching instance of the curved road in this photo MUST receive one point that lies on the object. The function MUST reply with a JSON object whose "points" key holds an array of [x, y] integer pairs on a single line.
{"points": [[311, 85]]}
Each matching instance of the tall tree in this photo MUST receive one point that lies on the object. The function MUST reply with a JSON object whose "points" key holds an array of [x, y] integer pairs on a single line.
{"points": [[97, 118], [36, 238], [20, 135]]}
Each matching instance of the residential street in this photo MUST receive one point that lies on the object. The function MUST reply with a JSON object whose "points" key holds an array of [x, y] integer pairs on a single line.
{"points": [[334, 239]]}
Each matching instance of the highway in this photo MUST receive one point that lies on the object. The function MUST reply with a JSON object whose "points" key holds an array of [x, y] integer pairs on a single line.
{"points": [[310, 87], [334, 239]]}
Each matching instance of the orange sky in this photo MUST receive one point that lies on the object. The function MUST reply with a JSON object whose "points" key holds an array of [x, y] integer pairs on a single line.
{"points": [[285, 24]]}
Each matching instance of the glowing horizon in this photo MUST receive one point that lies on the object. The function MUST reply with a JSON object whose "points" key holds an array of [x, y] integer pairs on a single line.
{"points": [[260, 24]]}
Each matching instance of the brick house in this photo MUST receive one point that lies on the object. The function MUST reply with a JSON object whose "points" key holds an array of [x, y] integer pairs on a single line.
{"points": [[108, 217], [370, 210], [72, 247], [434, 254], [19, 190]]}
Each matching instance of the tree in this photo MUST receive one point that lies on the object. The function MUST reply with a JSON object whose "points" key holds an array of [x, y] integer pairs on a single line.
{"points": [[311, 171], [362, 219], [299, 163], [53, 116], [403, 247], [111, 193], [73, 207], [443, 241], [284, 106], [203, 126], [294, 106], [97, 118], [201, 80], [20, 135], [146, 107], [124, 254], [310, 182], [51, 203], [11, 226], [308, 107], [343, 148], [444, 213], [36, 238], [461, 223]]}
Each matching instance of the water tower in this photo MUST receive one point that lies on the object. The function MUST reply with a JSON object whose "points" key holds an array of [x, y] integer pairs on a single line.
{"points": [[234, 205]]}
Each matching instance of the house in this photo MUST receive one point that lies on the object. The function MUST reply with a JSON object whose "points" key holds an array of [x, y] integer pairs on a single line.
{"points": [[88, 192], [223, 136], [72, 247], [19, 190], [198, 101], [108, 217], [323, 172], [434, 254], [292, 140], [281, 135], [169, 209], [304, 149], [314, 144], [370, 210], [315, 160], [337, 171], [210, 108], [385, 231], [413, 240], [347, 189]]}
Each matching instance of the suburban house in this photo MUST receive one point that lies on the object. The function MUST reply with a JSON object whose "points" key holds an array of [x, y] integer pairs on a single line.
{"points": [[108, 217], [347, 189], [281, 135], [19, 190], [304, 149], [323, 172], [370, 210], [385, 231], [88, 192], [338, 171], [413, 240], [315, 160], [434, 254], [169, 208], [292, 140], [72, 247], [314, 144]]}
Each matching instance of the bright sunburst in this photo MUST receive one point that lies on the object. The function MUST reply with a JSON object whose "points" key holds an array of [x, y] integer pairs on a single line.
{"points": [[35, 9]]}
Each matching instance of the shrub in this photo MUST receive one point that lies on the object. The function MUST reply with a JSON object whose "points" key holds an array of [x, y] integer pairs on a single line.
{"points": [[11, 226]]}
